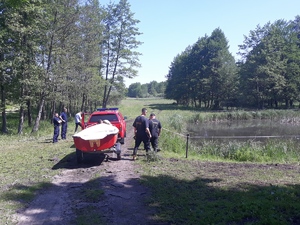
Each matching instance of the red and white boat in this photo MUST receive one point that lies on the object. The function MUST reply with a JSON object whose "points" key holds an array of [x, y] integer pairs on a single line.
{"points": [[99, 138]]}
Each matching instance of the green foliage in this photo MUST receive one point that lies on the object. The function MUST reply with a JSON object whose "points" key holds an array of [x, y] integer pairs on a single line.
{"points": [[204, 74], [17, 3], [267, 74], [119, 58], [291, 116], [271, 152], [54, 53], [152, 89]]}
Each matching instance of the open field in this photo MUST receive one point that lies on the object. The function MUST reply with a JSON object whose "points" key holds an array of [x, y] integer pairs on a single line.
{"points": [[202, 189]]}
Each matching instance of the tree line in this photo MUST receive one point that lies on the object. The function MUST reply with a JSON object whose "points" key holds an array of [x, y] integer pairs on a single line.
{"points": [[64, 53], [267, 75], [152, 89]]}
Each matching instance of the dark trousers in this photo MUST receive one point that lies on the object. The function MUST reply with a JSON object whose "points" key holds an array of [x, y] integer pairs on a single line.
{"points": [[154, 142], [138, 141], [55, 134], [64, 127], [76, 126]]}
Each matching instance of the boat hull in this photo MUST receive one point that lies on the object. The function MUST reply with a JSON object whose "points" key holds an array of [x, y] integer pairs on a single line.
{"points": [[97, 145]]}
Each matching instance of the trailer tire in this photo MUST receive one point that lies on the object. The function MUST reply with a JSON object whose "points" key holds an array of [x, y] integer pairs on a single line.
{"points": [[118, 156], [79, 156], [122, 141]]}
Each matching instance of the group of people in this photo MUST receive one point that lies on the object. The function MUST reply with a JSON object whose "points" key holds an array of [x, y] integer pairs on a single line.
{"points": [[62, 121], [146, 131]]}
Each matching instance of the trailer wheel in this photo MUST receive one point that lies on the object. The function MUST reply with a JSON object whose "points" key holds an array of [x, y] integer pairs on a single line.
{"points": [[118, 156], [79, 155], [122, 141]]}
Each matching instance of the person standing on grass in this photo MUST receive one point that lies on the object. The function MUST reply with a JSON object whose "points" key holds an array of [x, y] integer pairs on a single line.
{"points": [[155, 130], [78, 120], [56, 122], [141, 133], [64, 123]]}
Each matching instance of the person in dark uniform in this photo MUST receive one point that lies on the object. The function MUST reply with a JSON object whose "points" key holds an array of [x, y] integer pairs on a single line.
{"points": [[155, 130], [64, 123], [56, 122], [141, 133]]}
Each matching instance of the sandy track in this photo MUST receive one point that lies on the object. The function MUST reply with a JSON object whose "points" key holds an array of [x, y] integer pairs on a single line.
{"points": [[121, 203]]}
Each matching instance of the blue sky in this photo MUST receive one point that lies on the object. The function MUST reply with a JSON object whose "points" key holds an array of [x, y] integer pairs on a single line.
{"points": [[169, 26]]}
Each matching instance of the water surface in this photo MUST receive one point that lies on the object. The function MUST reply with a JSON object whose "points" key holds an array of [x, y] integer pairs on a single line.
{"points": [[245, 129]]}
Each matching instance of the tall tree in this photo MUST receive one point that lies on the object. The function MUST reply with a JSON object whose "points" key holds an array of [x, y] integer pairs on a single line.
{"points": [[220, 66], [59, 27], [200, 72], [269, 57], [23, 25], [4, 63], [118, 55], [292, 52], [83, 67]]}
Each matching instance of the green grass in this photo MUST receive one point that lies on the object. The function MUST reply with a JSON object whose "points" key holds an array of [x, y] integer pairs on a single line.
{"points": [[195, 192], [273, 151], [229, 183], [28, 164], [88, 215], [174, 134]]}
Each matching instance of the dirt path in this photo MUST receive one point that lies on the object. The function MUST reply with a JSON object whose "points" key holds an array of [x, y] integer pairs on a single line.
{"points": [[121, 203]]}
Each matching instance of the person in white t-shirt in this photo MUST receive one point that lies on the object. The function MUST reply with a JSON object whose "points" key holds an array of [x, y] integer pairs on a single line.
{"points": [[78, 120]]}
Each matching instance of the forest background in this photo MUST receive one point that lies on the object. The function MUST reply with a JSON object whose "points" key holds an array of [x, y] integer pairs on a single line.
{"points": [[76, 54]]}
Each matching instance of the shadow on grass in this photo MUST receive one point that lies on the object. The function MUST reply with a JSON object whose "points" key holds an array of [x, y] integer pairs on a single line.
{"points": [[173, 201], [199, 201]]}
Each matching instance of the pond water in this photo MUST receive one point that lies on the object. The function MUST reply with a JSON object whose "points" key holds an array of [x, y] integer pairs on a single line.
{"points": [[245, 130]]}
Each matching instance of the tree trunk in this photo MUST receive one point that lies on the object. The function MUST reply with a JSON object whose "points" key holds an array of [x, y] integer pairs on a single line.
{"points": [[38, 118], [44, 112], [3, 104], [60, 108], [83, 102], [107, 96], [104, 97], [21, 120], [29, 113], [52, 110]]}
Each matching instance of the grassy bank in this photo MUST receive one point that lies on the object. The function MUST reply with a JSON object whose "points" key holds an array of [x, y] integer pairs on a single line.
{"points": [[176, 119], [230, 183], [27, 165], [227, 183], [206, 192]]}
